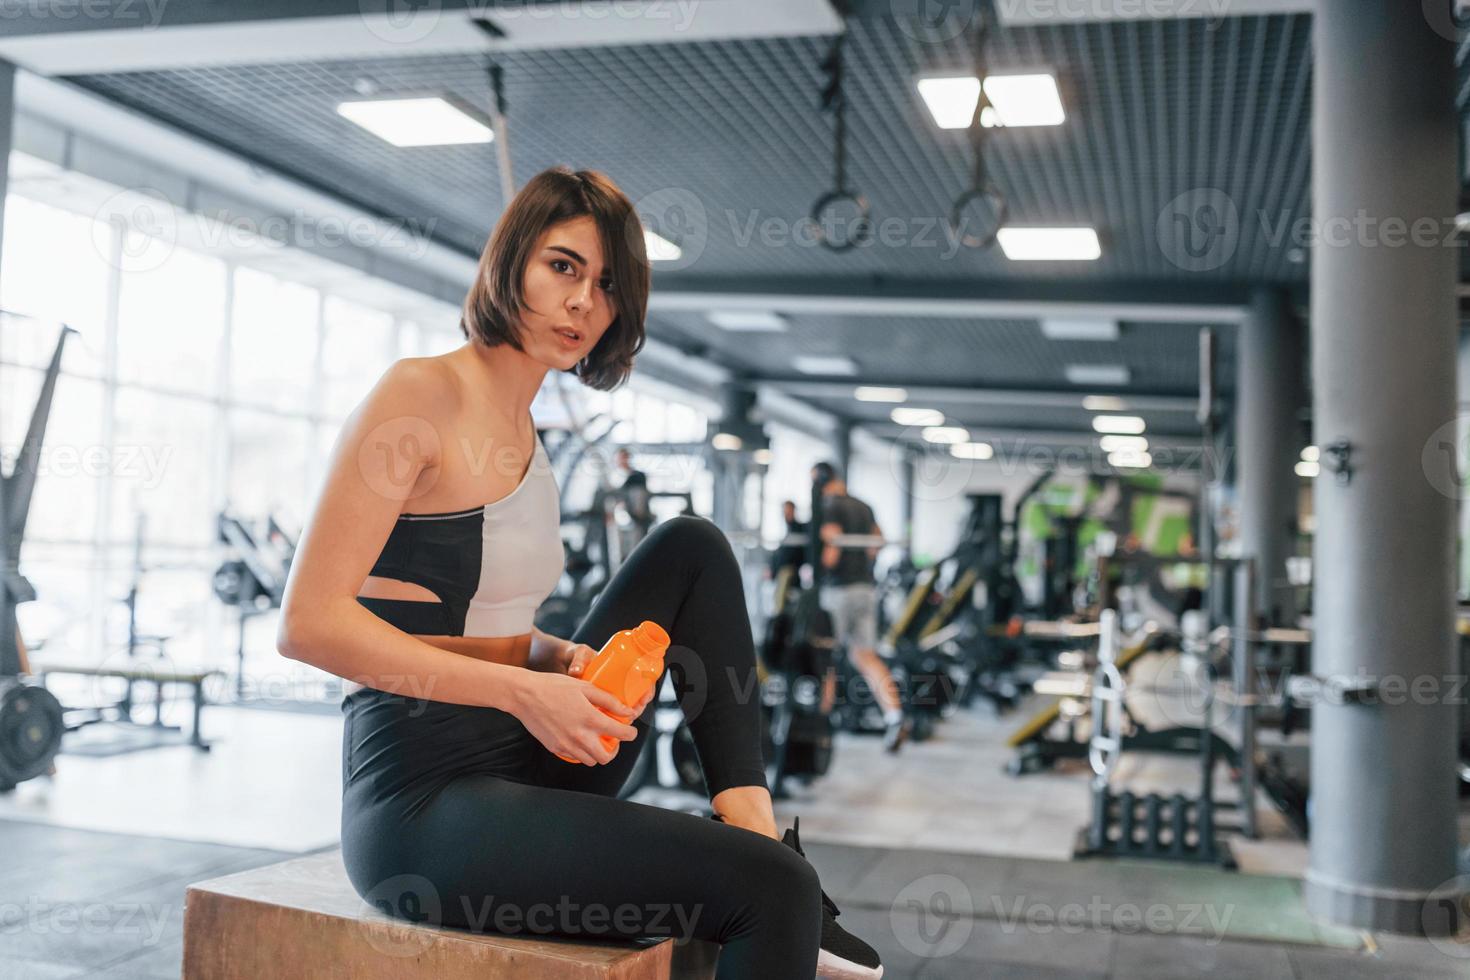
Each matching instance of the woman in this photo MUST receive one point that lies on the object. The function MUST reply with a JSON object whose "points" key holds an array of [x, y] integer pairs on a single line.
{"points": [[456, 808]]}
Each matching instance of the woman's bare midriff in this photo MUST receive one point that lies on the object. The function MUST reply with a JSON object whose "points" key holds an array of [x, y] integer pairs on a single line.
{"points": [[496, 649]]}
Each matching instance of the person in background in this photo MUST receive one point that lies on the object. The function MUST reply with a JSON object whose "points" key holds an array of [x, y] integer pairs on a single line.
{"points": [[850, 593], [790, 553], [633, 491]]}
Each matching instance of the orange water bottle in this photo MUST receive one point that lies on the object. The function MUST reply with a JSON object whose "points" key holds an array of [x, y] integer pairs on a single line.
{"points": [[627, 667]]}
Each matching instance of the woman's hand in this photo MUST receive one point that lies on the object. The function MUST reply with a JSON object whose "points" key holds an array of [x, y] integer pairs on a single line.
{"points": [[562, 714]]}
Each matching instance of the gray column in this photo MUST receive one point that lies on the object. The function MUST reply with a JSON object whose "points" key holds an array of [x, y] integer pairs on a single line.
{"points": [[1462, 458], [7, 128], [842, 449], [1383, 358], [1269, 393], [906, 492]]}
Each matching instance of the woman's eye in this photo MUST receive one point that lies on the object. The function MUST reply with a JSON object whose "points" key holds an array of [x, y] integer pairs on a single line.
{"points": [[608, 286], [561, 265]]}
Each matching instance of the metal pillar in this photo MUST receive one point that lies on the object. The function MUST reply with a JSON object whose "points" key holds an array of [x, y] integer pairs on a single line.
{"points": [[1462, 460], [1383, 357], [1268, 439], [842, 446], [907, 476]]}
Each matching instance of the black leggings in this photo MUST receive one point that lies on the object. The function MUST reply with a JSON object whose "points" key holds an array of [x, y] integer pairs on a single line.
{"points": [[455, 815]]}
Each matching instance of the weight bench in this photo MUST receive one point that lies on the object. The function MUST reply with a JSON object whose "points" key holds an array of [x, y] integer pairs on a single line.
{"points": [[302, 918], [145, 675]]}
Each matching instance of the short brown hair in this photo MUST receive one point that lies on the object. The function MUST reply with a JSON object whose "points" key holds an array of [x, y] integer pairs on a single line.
{"points": [[493, 307]]}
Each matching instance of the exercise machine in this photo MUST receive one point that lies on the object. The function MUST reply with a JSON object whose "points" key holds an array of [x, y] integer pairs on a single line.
{"points": [[253, 579], [31, 718]]}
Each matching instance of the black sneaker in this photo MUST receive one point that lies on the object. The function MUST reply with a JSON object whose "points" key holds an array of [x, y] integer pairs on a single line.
{"points": [[844, 956], [896, 734]]}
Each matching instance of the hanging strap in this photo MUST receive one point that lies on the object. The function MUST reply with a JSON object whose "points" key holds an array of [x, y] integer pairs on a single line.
{"points": [[834, 101], [980, 188]]}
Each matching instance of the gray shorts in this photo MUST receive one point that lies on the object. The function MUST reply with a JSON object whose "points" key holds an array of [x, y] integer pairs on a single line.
{"points": [[854, 610]]}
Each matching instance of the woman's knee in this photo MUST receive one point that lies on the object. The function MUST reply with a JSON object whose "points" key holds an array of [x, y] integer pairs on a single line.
{"points": [[694, 536]]}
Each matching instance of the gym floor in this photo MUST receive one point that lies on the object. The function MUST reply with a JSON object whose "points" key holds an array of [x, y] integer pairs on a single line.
{"points": [[980, 887]]}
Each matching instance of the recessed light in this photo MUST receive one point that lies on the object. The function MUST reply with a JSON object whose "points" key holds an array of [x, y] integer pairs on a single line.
{"points": [[417, 122], [825, 365], [1060, 244], [659, 248], [748, 321], [1060, 328], [1123, 425], [1015, 100], [761, 457], [1130, 461], [726, 441], [1104, 403], [917, 416], [946, 434], [1309, 469], [972, 450], [1311, 454], [873, 393], [1025, 100], [1097, 375], [1123, 444], [951, 101]]}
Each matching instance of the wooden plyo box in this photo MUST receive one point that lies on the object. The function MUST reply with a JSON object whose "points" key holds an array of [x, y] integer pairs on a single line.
{"points": [[302, 918]]}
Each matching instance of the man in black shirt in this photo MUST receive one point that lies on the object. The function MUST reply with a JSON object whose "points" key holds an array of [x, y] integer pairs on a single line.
{"points": [[788, 552], [850, 594]]}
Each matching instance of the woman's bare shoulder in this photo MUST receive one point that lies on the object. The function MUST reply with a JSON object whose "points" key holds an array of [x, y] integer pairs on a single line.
{"points": [[420, 385]]}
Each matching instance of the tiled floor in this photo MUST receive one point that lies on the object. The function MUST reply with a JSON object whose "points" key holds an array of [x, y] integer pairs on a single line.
{"points": [[79, 904], [133, 830]]}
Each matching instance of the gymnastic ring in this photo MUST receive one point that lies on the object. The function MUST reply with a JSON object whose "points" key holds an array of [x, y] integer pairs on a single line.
{"points": [[998, 205], [864, 227]]}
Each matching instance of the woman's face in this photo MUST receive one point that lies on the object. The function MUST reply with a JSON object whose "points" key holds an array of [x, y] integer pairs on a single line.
{"points": [[570, 302]]}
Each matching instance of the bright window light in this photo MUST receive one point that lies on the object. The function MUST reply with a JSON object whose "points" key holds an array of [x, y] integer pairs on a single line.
{"points": [[1123, 444], [951, 101], [748, 321], [917, 416], [873, 393], [659, 248], [946, 434], [1104, 403], [972, 450], [417, 122], [1022, 244], [1025, 100], [825, 365], [1122, 425]]}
